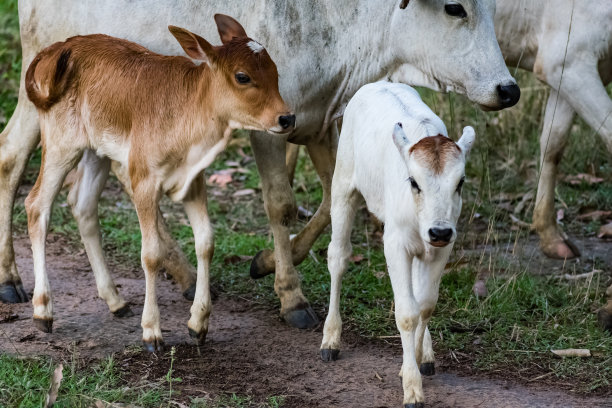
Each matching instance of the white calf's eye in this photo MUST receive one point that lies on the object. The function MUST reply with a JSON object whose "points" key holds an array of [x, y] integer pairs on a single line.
{"points": [[460, 185], [414, 184]]}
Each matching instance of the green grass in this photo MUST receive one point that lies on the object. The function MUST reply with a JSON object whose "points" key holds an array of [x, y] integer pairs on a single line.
{"points": [[512, 330]]}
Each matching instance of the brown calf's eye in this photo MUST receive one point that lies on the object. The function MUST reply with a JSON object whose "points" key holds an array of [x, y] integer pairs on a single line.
{"points": [[242, 78]]}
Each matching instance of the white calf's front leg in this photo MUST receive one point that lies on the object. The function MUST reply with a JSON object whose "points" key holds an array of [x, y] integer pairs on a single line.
{"points": [[195, 206], [407, 315], [84, 195]]}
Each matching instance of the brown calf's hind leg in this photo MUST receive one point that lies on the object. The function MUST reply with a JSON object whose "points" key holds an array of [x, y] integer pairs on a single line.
{"points": [[553, 241], [175, 263], [17, 142], [280, 207], [56, 163]]}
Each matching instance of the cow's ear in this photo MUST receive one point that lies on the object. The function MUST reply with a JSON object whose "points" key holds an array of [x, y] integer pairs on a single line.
{"points": [[194, 45], [400, 139], [229, 28], [404, 3], [467, 140]]}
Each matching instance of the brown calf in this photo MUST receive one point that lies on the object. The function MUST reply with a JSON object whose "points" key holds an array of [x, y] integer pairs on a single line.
{"points": [[164, 119]]}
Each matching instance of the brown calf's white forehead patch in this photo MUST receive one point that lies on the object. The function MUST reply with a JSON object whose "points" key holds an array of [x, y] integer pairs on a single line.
{"points": [[435, 151], [255, 46]]}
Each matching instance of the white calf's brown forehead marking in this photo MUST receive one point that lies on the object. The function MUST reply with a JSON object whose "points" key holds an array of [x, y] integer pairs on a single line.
{"points": [[435, 151], [255, 46]]}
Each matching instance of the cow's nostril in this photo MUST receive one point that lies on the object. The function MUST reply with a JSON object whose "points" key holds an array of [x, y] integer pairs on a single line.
{"points": [[509, 95], [287, 121], [440, 234]]}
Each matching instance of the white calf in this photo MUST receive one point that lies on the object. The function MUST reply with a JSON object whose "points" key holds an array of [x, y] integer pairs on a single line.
{"points": [[395, 152]]}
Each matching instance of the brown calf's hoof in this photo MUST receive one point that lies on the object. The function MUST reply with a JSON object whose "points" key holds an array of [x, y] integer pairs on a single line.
{"points": [[304, 318], [329, 354], [154, 346], [200, 338], [415, 405], [605, 320], [44, 325], [561, 248], [259, 269], [428, 369], [125, 311], [12, 293]]}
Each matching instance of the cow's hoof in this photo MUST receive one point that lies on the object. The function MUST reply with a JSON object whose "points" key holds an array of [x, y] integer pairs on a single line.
{"points": [[153, 346], [329, 354], [304, 318], [415, 405], [560, 248], [44, 325], [428, 369], [605, 320], [11, 293], [258, 266], [125, 311], [189, 293], [200, 338]]}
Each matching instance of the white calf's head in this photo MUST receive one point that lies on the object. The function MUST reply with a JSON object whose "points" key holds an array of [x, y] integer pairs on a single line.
{"points": [[436, 170], [450, 45]]}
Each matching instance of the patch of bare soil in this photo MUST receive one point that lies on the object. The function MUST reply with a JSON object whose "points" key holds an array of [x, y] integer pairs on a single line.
{"points": [[249, 351]]}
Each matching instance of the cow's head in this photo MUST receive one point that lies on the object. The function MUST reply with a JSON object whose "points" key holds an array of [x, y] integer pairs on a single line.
{"points": [[450, 45], [244, 79], [436, 172]]}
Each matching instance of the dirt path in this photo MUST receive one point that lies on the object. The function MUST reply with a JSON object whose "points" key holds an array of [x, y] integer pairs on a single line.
{"points": [[248, 350]]}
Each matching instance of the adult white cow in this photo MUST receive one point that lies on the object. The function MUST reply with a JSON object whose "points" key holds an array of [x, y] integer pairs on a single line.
{"points": [[324, 51]]}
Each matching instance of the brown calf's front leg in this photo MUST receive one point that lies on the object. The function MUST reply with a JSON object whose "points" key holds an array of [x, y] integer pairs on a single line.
{"points": [[175, 263], [195, 207], [323, 156], [17, 142], [279, 202]]}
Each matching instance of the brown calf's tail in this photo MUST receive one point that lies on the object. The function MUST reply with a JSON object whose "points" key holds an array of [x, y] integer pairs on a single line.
{"points": [[49, 76]]}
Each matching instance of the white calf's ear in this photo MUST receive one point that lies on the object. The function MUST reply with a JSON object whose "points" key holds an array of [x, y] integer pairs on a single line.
{"points": [[400, 139], [467, 140]]}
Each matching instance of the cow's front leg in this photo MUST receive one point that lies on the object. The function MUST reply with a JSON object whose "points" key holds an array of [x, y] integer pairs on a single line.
{"points": [[146, 199], [84, 195], [280, 207], [195, 207], [17, 142], [557, 122], [175, 263], [407, 316], [323, 155]]}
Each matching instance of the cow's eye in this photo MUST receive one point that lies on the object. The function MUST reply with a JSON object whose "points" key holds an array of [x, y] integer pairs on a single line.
{"points": [[455, 10], [460, 185], [242, 78], [414, 185]]}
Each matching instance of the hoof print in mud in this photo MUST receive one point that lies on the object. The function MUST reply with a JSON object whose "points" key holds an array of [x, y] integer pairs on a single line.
{"points": [[427, 369], [200, 338], [153, 346], [44, 325], [258, 266], [13, 293], [329, 354], [605, 320], [125, 311], [189, 293], [415, 405], [305, 318]]}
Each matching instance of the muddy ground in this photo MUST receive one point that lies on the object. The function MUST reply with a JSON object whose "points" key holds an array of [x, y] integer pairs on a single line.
{"points": [[249, 351]]}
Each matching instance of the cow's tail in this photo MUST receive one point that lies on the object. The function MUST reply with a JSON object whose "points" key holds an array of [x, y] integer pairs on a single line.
{"points": [[49, 76]]}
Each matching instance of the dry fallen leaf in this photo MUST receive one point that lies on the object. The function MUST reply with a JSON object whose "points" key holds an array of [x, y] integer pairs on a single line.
{"points": [[605, 231], [56, 380], [594, 215], [582, 178], [356, 258], [244, 192], [572, 353], [560, 214]]}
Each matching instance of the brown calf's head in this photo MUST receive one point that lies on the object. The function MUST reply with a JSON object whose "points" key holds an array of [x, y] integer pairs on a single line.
{"points": [[245, 77]]}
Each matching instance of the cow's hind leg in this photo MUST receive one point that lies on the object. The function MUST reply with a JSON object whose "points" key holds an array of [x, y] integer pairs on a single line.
{"points": [[17, 141], [195, 206], [56, 163], [280, 207], [84, 195], [557, 122]]}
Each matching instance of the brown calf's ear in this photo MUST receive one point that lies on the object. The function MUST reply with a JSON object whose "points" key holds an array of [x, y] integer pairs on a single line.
{"points": [[195, 46], [404, 3], [229, 28]]}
